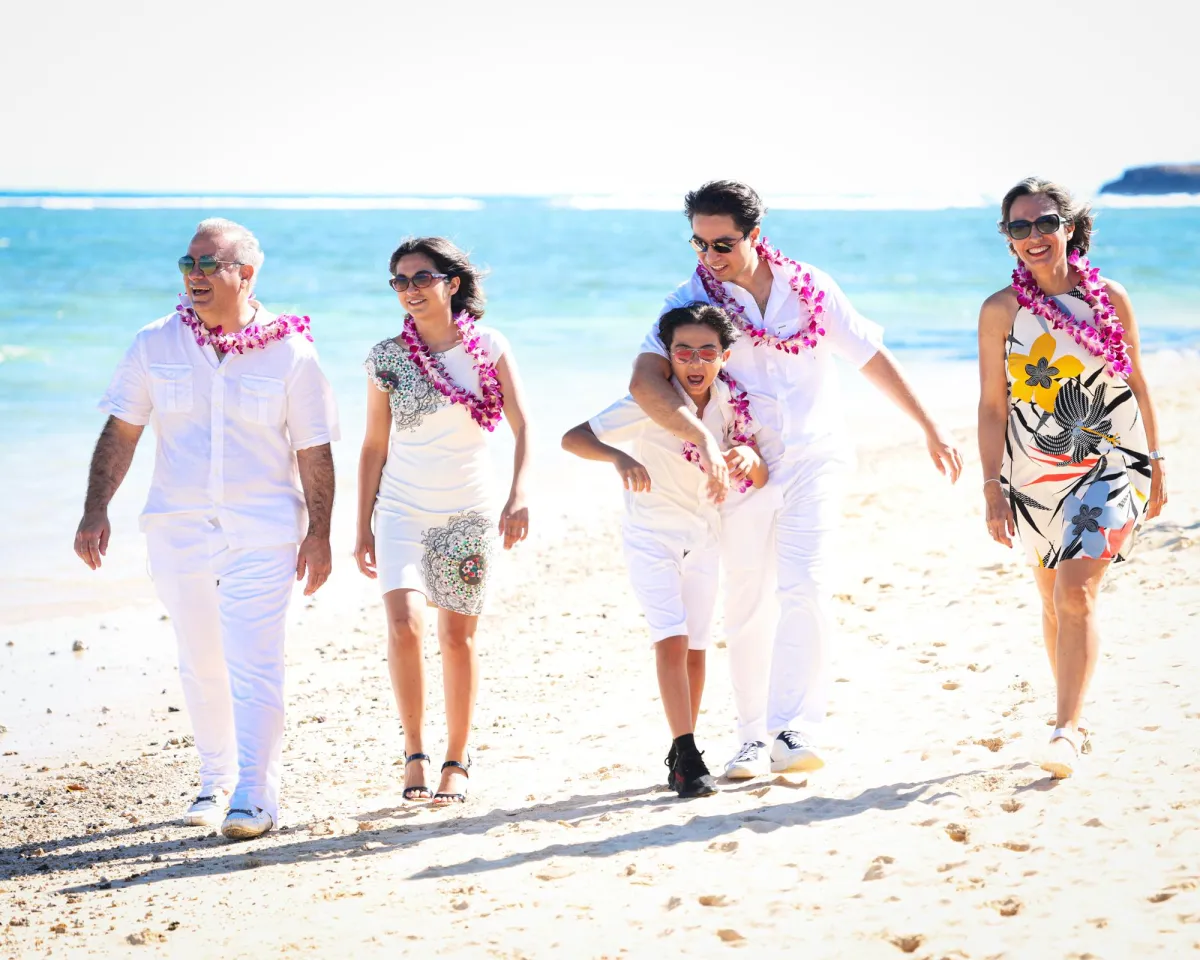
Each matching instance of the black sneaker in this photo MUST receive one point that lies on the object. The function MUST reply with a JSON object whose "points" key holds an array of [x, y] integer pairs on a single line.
{"points": [[672, 756], [690, 777]]}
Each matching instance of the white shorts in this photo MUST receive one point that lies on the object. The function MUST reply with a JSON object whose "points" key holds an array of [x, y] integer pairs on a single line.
{"points": [[676, 589]]}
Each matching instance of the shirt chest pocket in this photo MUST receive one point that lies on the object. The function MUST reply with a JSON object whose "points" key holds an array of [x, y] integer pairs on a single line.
{"points": [[171, 387], [262, 400]]}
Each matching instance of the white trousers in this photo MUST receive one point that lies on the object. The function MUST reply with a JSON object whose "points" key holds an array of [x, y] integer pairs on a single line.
{"points": [[677, 590], [778, 552], [228, 608]]}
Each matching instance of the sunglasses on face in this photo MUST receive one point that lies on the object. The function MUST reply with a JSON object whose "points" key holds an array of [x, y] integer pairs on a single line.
{"points": [[691, 355], [719, 246], [421, 279], [1019, 229], [208, 265]]}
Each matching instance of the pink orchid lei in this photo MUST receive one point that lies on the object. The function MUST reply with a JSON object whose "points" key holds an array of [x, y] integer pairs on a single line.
{"points": [[252, 337], [1104, 338], [741, 433], [485, 410], [802, 285]]}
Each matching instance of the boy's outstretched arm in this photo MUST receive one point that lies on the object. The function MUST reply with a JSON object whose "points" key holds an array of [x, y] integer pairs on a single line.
{"points": [[583, 442]]}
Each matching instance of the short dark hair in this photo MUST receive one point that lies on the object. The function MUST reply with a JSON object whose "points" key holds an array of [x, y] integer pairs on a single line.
{"points": [[451, 261], [699, 312], [729, 198], [1079, 213]]}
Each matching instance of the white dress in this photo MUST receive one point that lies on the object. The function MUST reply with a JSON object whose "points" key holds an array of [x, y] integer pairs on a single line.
{"points": [[437, 511]]}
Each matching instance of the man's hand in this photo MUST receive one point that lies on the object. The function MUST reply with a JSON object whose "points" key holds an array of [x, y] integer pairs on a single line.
{"points": [[634, 476], [944, 454], [713, 462], [91, 539], [315, 559]]}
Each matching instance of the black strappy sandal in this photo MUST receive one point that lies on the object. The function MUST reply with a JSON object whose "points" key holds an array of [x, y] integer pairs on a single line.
{"points": [[417, 793], [448, 798]]}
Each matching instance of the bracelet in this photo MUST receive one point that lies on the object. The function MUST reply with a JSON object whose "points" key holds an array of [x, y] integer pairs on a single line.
{"points": [[1156, 455], [994, 480]]}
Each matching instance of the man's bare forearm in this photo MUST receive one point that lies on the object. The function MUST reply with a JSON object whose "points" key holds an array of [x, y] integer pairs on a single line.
{"points": [[110, 462], [883, 371], [651, 389], [317, 479]]}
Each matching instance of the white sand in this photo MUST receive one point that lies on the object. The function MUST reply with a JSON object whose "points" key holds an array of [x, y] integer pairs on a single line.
{"points": [[931, 832]]}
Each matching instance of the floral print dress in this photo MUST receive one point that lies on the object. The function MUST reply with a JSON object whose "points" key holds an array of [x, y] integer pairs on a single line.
{"points": [[436, 514], [1076, 467]]}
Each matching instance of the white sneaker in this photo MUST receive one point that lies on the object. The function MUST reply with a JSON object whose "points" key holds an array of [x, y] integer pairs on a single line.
{"points": [[793, 752], [246, 824], [1062, 755], [751, 761], [208, 810]]}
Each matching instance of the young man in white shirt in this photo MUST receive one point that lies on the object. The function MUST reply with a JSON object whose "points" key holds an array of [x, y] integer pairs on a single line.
{"points": [[792, 319], [238, 509], [671, 527]]}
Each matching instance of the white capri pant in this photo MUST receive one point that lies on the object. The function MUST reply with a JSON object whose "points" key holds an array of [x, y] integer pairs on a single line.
{"points": [[228, 608], [677, 589]]}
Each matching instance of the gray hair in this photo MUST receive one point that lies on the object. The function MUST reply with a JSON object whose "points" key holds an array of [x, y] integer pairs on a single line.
{"points": [[245, 243]]}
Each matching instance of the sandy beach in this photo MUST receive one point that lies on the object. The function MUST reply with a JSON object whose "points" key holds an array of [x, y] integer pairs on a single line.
{"points": [[931, 833]]}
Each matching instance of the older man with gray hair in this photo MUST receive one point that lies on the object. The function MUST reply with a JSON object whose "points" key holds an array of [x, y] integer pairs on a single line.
{"points": [[239, 506]]}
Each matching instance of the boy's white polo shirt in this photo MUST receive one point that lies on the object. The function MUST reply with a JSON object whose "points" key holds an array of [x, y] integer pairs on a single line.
{"points": [[675, 511], [227, 429]]}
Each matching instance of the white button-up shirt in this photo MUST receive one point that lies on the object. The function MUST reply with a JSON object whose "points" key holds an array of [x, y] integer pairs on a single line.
{"points": [[795, 397], [227, 429], [676, 509]]}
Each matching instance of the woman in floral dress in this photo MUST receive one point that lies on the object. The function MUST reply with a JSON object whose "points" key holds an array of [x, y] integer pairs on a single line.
{"points": [[426, 479], [1068, 438]]}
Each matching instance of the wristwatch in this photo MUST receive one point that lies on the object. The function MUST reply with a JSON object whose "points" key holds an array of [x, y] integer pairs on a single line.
{"points": [[1156, 455]]}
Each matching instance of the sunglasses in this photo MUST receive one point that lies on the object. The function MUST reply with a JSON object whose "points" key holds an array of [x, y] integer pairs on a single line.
{"points": [[208, 265], [421, 279], [691, 355], [1019, 229], [720, 246]]}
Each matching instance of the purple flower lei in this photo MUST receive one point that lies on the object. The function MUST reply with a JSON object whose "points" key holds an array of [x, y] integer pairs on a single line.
{"points": [[802, 285], [742, 422], [252, 337], [485, 410], [1104, 339]]}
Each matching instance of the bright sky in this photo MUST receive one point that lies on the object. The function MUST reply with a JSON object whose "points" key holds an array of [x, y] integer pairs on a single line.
{"points": [[796, 97]]}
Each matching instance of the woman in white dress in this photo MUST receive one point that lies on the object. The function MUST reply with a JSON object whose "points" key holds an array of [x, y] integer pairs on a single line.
{"points": [[435, 392]]}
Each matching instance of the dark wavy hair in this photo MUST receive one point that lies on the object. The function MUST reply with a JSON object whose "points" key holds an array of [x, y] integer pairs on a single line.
{"points": [[1079, 214], [699, 312], [454, 263], [726, 198]]}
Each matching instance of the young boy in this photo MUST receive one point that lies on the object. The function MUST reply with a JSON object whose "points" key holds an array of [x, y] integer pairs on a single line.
{"points": [[671, 529]]}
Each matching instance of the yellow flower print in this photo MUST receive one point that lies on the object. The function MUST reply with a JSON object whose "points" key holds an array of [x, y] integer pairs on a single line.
{"points": [[1038, 378]]}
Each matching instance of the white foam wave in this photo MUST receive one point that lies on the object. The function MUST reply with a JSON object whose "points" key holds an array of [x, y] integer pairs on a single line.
{"points": [[618, 201], [242, 203], [1141, 201], [673, 202], [15, 352]]}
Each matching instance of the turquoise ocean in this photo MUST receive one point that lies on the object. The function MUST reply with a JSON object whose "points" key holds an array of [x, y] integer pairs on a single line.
{"points": [[573, 286]]}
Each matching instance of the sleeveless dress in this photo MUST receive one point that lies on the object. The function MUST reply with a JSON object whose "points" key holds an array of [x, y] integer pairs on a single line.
{"points": [[1076, 467], [437, 511]]}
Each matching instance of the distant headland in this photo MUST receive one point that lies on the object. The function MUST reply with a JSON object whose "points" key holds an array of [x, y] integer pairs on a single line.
{"points": [[1160, 178]]}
